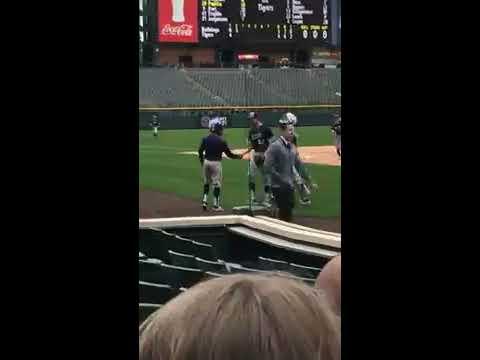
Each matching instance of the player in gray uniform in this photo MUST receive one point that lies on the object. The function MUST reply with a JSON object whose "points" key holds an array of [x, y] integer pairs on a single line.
{"points": [[259, 138]]}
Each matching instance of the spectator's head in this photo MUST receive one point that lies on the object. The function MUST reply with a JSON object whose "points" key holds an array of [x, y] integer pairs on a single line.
{"points": [[243, 317], [329, 280]]}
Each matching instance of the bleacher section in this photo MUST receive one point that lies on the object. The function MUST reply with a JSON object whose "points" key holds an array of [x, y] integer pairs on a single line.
{"points": [[173, 258], [170, 87]]}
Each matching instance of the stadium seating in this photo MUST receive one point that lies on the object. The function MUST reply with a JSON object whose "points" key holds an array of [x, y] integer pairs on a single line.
{"points": [[170, 263], [212, 275], [157, 243], [156, 293], [181, 245], [245, 269], [304, 271], [271, 264], [171, 87], [179, 259], [180, 277], [204, 251], [214, 266], [238, 87], [150, 271]]}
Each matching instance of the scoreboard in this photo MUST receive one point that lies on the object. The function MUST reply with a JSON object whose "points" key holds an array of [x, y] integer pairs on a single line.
{"points": [[264, 20]]}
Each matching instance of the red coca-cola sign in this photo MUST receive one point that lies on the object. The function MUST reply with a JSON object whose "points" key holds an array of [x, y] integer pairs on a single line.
{"points": [[178, 21]]}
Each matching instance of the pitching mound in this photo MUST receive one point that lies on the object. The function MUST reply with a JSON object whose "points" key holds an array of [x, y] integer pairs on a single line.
{"points": [[323, 155]]}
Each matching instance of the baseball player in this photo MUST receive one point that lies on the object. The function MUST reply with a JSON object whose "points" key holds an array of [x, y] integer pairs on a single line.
{"points": [[155, 123], [337, 132], [210, 154], [290, 120], [259, 138]]}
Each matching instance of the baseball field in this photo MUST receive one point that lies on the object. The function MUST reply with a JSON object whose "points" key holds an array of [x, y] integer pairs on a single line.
{"points": [[171, 181]]}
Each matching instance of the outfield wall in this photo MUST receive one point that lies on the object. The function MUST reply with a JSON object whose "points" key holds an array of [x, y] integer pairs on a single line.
{"points": [[192, 119]]}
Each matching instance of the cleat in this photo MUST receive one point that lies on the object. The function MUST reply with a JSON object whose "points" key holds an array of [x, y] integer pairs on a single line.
{"points": [[217, 208], [204, 206]]}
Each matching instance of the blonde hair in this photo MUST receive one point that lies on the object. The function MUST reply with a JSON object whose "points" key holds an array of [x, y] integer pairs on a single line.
{"points": [[243, 317]]}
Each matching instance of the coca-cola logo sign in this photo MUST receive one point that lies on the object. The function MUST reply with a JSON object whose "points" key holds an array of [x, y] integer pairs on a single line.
{"points": [[178, 21], [177, 30]]}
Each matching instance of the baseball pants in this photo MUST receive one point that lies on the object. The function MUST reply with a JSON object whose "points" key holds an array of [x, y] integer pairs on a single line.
{"points": [[212, 173], [253, 168], [338, 143]]}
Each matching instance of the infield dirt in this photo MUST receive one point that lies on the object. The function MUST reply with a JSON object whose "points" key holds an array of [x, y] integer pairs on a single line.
{"points": [[153, 204]]}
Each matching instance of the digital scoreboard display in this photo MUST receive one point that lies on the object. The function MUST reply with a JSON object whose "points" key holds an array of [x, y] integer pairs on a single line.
{"points": [[264, 20], [211, 21]]}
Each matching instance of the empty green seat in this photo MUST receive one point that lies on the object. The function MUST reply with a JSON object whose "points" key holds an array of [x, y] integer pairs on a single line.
{"points": [[156, 293], [152, 243], [207, 265], [204, 251], [180, 245], [178, 277], [179, 259], [212, 275], [150, 271], [304, 271], [272, 264]]}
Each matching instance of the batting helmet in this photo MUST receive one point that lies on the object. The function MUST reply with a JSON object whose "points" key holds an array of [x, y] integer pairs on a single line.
{"points": [[288, 119], [218, 128]]}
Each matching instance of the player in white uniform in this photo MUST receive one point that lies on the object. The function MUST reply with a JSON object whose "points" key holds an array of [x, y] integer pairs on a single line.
{"points": [[259, 137], [155, 123]]}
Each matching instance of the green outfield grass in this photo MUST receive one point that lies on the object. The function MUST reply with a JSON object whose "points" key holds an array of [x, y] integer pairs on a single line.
{"points": [[164, 170]]}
